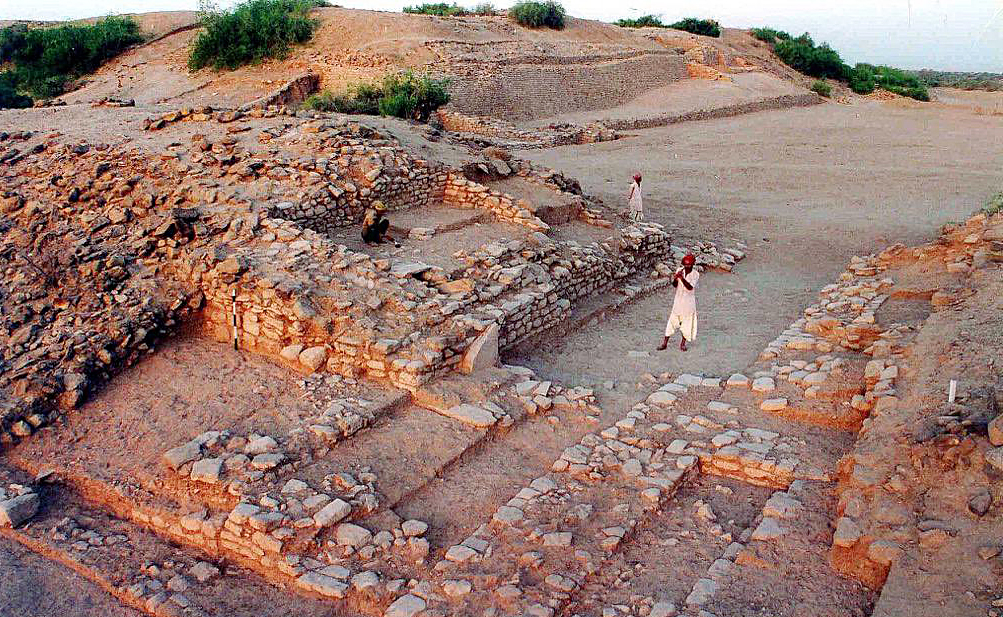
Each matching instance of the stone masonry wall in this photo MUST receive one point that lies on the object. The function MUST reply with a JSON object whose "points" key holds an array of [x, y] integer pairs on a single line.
{"points": [[525, 92], [780, 102], [462, 193]]}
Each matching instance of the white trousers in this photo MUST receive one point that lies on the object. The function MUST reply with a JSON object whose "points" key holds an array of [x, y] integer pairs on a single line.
{"points": [[687, 324], [636, 215]]}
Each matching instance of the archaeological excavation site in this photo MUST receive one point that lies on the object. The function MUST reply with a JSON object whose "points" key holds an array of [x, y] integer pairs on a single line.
{"points": [[218, 400]]}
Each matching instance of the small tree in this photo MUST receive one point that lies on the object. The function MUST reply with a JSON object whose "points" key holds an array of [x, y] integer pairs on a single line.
{"points": [[548, 14], [413, 97], [821, 88], [644, 21], [250, 32], [703, 27]]}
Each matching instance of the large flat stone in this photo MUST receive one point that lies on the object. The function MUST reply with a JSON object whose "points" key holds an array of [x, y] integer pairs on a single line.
{"points": [[847, 532], [703, 591], [782, 506], [18, 509], [322, 584], [185, 453], [769, 529], [313, 358], [472, 415], [207, 470], [482, 353], [774, 404], [405, 606], [355, 536], [333, 512], [661, 399]]}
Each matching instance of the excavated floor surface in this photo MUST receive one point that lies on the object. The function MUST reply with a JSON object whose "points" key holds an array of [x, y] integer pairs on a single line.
{"points": [[802, 189]]}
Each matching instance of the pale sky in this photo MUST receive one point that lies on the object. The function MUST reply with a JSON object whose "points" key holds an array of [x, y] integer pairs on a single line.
{"points": [[962, 35]]}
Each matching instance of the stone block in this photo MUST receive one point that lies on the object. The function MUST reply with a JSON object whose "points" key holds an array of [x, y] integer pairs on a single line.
{"points": [[355, 536], [483, 352], [333, 512], [407, 605], [313, 358], [18, 509]]}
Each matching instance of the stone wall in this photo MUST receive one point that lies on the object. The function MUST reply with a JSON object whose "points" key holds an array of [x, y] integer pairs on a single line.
{"points": [[462, 193], [780, 102], [506, 134], [292, 92], [528, 91]]}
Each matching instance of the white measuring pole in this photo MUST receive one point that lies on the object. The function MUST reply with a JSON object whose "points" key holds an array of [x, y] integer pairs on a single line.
{"points": [[952, 391], [233, 296]]}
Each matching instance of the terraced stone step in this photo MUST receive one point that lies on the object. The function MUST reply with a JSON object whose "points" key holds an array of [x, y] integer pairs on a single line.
{"points": [[679, 551], [145, 572], [780, 565]]}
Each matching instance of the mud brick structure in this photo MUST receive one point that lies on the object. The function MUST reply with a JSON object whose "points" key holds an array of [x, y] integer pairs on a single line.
{"points": [[510, 90]]}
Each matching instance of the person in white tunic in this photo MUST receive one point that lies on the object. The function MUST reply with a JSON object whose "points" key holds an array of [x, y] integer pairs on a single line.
{"points": [[684, 306], [634, 207]]}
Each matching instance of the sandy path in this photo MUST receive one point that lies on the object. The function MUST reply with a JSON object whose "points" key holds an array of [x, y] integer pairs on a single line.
{"points": [[805, 188]]}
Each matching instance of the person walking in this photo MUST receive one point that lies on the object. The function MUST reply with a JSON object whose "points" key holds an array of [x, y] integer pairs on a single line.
{"points": [[635, 208], [684, 306]]}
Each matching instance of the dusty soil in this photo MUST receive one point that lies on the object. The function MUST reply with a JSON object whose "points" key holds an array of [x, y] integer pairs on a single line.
{"points": [[189, 386], [43, 589], [804, 188]]}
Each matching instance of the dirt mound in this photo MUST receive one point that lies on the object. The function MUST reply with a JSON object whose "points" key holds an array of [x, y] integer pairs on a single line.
{"points": [[497, 68]]}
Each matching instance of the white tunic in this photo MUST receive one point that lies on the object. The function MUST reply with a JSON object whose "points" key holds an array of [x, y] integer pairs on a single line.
{"points": [[634, 203], [685, 302]]}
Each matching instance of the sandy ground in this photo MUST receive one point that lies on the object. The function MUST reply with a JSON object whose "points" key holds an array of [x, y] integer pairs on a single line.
{"points": [[44, 589], [805, 188]]}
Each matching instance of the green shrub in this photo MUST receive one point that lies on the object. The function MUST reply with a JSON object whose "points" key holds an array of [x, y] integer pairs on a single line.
{"points": [[361, 98], [548, 14], [823, 62], [441, 9], [412, 97], [444, 9], [404, 95], [994, 205], [705, 27], [484, 9], [861, 80], [9, 96], [821, 88], [12, 38], [802, 55], [44, 60], [864, 78], [250, 32], [770, 35], [645, 21]]}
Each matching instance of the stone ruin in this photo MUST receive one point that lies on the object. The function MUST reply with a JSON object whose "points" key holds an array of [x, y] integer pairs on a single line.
{"points": [[241, 228]]}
